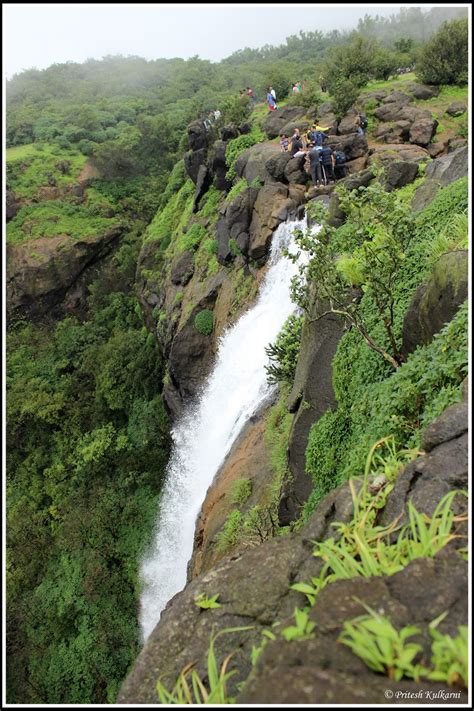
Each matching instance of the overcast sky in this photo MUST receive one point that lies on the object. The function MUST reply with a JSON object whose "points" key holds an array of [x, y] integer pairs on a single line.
{"points": [[38, 35]]}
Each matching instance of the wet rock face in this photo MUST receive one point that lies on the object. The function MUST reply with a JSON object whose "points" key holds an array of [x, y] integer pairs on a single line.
{"points": [[311, 396], [41, 272], [271, 208], [253, 589], [235, 223], [436, 302]]}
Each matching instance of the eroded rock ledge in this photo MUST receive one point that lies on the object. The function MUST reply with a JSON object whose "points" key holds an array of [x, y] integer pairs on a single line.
{"points": [[253, 589]]}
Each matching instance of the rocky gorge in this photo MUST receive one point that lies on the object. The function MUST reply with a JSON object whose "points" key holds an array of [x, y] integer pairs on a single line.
{"points": [[291, 480]]}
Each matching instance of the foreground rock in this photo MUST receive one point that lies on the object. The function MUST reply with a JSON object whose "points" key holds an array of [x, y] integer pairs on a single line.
{"points": [[253, 590], [440, 173]]}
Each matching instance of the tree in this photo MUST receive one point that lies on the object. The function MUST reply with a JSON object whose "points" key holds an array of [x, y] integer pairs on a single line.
{"points": [[376, 235], [444, 59]]}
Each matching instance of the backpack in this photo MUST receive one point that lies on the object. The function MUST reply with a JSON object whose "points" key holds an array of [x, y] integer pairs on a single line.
{"points": [[340, 157]]}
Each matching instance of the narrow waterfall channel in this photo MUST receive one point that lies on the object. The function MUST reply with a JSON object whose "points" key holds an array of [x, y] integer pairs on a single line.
{"points": [[206, 432]]}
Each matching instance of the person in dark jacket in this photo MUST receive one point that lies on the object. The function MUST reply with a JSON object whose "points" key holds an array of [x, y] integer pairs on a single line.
{"points": [[315, 164], [327, 160]]}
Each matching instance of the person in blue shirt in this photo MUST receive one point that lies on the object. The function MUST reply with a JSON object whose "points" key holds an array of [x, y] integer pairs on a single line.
{"points": [[271, 101]]}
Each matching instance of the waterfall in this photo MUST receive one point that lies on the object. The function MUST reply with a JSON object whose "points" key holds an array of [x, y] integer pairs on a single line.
{"points": [[204, 435]]}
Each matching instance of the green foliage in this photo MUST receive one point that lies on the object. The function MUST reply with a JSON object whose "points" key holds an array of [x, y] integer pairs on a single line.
{"points": [[196, 691], [31, 167], [365, 549], [56, 218], [283, 354], [384, 649], [191, 239], [453, 236], [450, 656], [88, 442], [236, 109], [236, 189], [373, 401], [377, 234], [302, 629], [444, 58], [241, 491], [237, 146], [207, 603], [231, 532], [204, 322]]}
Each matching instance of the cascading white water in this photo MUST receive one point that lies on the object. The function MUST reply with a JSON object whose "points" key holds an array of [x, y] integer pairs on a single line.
{"points": [[203, 437]]}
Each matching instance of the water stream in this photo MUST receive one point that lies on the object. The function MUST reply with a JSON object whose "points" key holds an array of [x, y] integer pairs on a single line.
{"points": [[233, 392]]}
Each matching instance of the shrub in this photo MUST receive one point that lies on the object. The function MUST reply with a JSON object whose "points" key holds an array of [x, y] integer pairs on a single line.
{"points": [[283, 354], [444, 58], [241, 491], [204, 322]]}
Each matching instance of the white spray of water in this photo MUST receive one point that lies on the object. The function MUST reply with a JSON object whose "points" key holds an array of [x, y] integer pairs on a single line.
{"points": [[204, 435]]}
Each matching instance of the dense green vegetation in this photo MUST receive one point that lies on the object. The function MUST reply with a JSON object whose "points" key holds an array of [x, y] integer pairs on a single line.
{"points": [[444, 58], [87, 445], [88, 436], [374, 401]]}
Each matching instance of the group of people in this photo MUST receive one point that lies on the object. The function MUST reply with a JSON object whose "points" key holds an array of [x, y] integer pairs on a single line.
{"points": [[212, 118], [321, 162]]}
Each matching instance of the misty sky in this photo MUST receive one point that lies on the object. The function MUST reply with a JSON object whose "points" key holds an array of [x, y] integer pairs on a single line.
{"points": [[43, 34]]}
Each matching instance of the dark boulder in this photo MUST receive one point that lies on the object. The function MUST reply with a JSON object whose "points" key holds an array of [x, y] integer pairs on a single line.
{"points": [[235, 222], [354, 145], [447, 169], [270, 209], [245, 128], [193, 161], [276, 165], [400, 173], [276, 120], [423, 130], [423, 92], [197, 135], [219, 166], [203, 182], [397, 97], [251, 164], [437, 301], [11, 205], [229, 132], [457, 108], [441, 172], [295, 172]]}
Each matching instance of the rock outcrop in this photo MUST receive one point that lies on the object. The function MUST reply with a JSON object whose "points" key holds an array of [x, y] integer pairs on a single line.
{"points": [[309, 399], [42, 272], [441, 172], [436, 302], [276, 121], [254, 592]]}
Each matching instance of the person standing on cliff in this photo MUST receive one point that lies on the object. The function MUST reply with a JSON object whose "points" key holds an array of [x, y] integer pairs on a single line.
{"points": [[271, 100]]}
